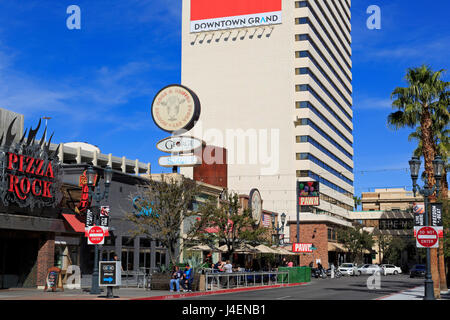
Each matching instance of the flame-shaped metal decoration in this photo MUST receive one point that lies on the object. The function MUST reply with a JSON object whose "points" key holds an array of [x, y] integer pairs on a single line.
{"points": [[31, 174]]}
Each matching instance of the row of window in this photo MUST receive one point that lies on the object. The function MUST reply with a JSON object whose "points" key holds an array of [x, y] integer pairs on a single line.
{"points": [[322, 10], [327, 3], [335, 202], [306, 21], [319, 83], [309, 122], [308, 139], [307, 105], [314, 61], [320, 163], [306, 37], [310, 174], [305, 87]]}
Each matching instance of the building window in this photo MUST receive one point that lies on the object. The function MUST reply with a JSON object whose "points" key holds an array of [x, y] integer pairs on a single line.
{"points": [[301, 4], [301, 20], [302, 173], [301, 37], [301, 71]]}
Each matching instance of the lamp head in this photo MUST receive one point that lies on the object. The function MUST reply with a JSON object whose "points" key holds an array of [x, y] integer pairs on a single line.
{"points": [[90, 175], [414, 166]]}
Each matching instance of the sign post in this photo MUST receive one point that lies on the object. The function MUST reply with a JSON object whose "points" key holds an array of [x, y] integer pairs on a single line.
{"points": [[110, 276]]}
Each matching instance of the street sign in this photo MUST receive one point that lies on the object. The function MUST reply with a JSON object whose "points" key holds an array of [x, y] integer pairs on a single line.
{"points": [[96, 235], [302, 247], [179, 144], [179, 161], [110, 273], [427, 237], [308, 193], [419, 210]]}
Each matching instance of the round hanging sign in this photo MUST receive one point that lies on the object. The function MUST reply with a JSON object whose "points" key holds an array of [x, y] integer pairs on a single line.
{"points": [[175, 108]]}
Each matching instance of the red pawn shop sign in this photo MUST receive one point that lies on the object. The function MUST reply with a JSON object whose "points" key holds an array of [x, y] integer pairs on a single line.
{"points": [[96, 235], [427, 237]]}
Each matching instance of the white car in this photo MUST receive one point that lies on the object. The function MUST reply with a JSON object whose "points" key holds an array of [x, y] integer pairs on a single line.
{"points": [[391, 269], [348, 269], [369, 269]]}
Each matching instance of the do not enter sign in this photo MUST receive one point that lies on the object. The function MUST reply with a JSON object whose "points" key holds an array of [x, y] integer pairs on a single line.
{"points": [[96, 235], [427, 237]]}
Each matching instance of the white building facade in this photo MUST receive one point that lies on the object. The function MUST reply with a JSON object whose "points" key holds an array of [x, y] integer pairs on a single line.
{"points": [[278, 96]]}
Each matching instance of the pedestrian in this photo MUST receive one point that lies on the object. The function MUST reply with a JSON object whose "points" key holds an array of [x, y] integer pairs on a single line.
{"points": [[284, 262], [290, 264], [188, 278], [228, 267], [175, 279]]}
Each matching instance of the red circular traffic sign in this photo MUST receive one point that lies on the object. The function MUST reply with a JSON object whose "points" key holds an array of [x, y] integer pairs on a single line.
{"points": [[96, 235], [427, 237]]}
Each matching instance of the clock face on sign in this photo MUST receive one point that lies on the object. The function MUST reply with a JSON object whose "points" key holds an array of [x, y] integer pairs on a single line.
{"points": [[256, 205]]}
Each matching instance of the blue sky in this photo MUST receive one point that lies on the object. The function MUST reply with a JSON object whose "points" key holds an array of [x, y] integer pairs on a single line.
{"points": [[98, 83]]}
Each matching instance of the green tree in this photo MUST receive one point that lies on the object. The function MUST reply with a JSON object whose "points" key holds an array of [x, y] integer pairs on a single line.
{"points": [[357, 201], [167, 203], [356, 241], [227, 223], [423, 103]]}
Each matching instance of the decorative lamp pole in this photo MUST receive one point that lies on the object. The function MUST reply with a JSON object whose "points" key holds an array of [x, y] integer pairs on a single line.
{"points": [[427, 192], [277, 228], [97, 196]]}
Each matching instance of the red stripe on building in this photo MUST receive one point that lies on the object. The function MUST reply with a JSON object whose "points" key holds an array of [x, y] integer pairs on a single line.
{"points": [[210, 9]]}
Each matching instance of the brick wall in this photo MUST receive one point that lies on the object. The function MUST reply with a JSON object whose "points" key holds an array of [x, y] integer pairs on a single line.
{"points": [[45, 258], [316, 233]]}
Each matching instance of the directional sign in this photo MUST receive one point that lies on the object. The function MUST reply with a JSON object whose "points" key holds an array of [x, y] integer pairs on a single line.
{"points": [[179, 161], [179, 144], [110, 273], [427, 237], [96, 235]]}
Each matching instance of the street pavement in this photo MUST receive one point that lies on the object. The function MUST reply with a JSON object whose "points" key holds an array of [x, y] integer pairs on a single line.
{"points": [[345, 288], [399, 287]]}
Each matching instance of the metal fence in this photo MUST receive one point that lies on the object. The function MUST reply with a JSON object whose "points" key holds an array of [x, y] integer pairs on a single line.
{"points": [[221, 280]]}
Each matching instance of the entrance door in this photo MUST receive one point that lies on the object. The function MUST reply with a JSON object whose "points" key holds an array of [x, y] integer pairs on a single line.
{"points": [[18, 259]]}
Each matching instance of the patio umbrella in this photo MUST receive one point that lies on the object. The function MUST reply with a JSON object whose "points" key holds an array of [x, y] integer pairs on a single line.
{"points": [[265, 249], [202, 247]]}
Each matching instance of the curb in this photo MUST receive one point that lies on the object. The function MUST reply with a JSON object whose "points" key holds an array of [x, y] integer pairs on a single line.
{"points": [[198, 294]]}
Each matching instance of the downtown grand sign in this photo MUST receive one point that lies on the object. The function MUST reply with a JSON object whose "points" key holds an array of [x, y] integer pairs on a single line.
{"points": [[31, 174], [210, 15]]}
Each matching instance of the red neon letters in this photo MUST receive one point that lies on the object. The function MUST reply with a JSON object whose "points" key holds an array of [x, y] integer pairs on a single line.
{"points": [[23, 183]]}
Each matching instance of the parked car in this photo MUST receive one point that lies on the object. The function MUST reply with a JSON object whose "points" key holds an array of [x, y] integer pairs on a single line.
{"points": [[418, 270], [390, 269], [369, 269], [348, 269]]}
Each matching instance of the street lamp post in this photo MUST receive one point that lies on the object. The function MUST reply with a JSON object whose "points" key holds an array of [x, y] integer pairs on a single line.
{"points": [[278, 229], [97, 196], [427, 191]]}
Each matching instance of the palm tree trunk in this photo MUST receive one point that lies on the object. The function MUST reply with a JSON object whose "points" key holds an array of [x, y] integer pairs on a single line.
{"points": [[429, 154], [442, 275]]}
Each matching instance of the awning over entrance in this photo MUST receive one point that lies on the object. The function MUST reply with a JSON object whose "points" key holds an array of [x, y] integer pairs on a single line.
{"points": [[76, 224], [337, 247]]}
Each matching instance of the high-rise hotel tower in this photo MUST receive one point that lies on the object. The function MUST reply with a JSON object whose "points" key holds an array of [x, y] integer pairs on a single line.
{"points": [[274, 78]]}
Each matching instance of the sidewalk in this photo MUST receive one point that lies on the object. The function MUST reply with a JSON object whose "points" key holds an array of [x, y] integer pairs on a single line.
{"points": [[120, 293], [416, 293]]}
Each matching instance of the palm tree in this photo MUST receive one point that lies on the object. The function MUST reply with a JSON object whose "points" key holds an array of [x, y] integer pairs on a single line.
{"points": [[357, 201], [424, 103]]}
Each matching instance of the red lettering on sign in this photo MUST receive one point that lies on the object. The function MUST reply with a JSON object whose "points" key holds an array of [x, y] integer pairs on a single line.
{"points": [[49, 172], [46, 192], [30, 168], [12, 158], [33, 187], [39, 169]]}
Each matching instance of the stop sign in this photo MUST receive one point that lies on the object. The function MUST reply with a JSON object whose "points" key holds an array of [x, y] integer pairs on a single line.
{"points": [[427, 237], [96, 235]]}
